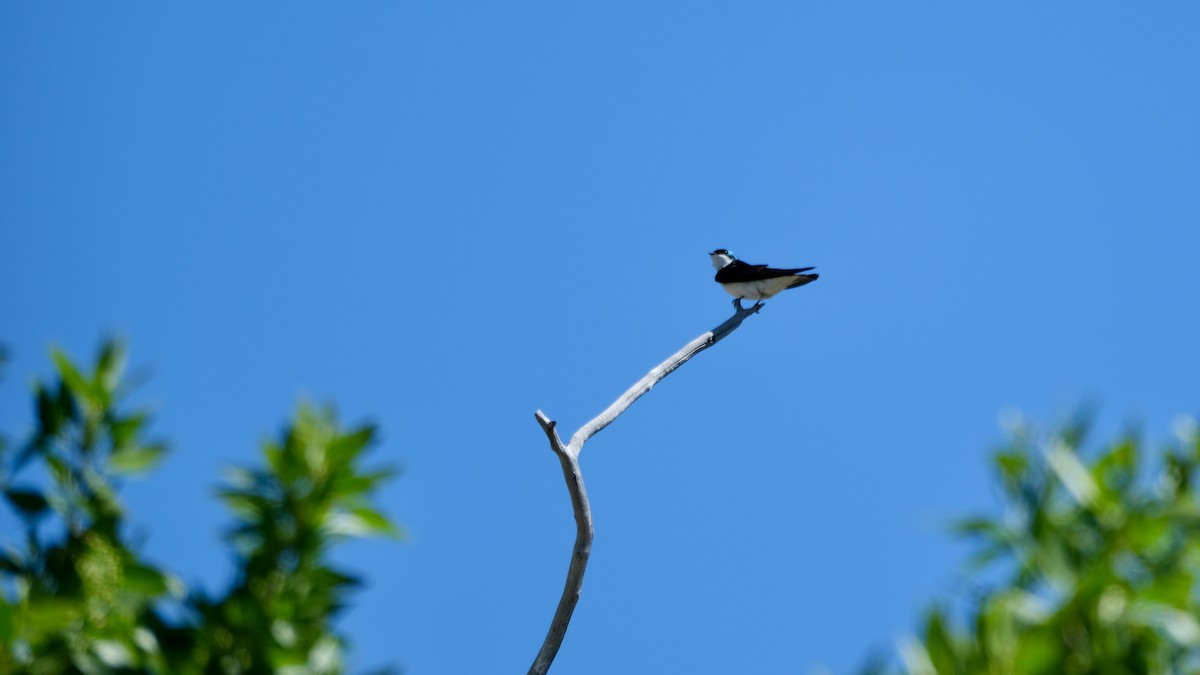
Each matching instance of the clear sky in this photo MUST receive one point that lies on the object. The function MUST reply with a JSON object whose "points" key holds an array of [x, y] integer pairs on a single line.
{"points": [[444, 216]]}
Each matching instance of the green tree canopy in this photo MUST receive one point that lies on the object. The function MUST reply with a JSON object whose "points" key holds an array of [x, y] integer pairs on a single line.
{"points": [[77, 596], [1091, 566]]}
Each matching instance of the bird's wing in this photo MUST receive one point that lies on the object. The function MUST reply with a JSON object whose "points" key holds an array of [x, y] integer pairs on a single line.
{"points": [[740, 271]]}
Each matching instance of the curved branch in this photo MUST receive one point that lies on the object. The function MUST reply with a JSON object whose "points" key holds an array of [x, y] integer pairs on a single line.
{"points": [[579, 555], [568, 456]]}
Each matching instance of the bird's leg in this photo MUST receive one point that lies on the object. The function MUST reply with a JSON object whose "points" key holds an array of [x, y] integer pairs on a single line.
{"points": [[757, 304], [737, 304]]}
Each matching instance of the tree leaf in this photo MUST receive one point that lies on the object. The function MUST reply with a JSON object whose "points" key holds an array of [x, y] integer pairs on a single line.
{"points": [[1073, 474], [136, 459], [50, 418], [938, 644], [345, 448], [145, 580], [361, 522], [1039, 651], [30, 502], [51, 615], [125, 429], [70, 375], [8, 623], [109, 364]]}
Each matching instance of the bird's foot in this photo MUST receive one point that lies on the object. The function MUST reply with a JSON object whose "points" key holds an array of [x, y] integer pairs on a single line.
{"points": [[737, 304], [757, 305]]}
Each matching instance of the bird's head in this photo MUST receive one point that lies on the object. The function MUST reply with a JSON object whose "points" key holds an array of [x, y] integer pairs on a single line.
{"points": [[721, 258]]}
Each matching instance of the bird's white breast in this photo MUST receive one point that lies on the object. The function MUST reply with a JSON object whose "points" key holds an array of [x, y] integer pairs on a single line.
{"points": [[758, 290]]}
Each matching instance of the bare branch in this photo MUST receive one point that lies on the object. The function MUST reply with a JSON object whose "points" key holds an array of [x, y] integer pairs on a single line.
{"points": [[657, 374], [568, 456], [579, 555]]}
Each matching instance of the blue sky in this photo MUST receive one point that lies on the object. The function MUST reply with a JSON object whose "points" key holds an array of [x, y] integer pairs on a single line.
{"points": [[444, 217]]}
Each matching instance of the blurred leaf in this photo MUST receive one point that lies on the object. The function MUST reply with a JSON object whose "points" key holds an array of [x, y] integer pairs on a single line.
{"points": [[51, 615], [145, 580], [113, 654], [346, 448], [1075, 430], [358, 484], [1173, 589], [59, 471], [30, 502], [976, 526], [985, 557], [125, 429], [938, 644], [50, 417], [11, 562], [244, 504], [326, 656], [1116, 470], [1180, 626], [101, 498], [1073, 474], [1039, 652], [1013, 467], [110, 363], [8, 627], [136, 459], [361, 522], [70, 375], [916, 658]]}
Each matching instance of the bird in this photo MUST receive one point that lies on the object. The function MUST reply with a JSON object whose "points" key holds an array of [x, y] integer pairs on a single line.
{"points": [[755, 282]]}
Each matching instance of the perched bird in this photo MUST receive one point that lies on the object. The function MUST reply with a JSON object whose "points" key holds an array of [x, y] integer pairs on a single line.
{"points": [[755, 282]]}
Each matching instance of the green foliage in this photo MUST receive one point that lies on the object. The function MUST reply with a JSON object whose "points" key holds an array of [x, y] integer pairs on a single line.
{"points": [[77, 597], [1097, 561], [310, 493]]}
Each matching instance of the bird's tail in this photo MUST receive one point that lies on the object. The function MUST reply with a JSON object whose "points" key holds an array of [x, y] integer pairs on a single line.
{"points": [[802, 279]]}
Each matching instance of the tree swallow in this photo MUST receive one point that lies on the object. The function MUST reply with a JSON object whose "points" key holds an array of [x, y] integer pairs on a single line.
{"points": [[755, 282]]}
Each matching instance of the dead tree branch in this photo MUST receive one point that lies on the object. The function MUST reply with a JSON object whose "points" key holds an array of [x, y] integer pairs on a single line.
{"points": [[568, 456]]}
